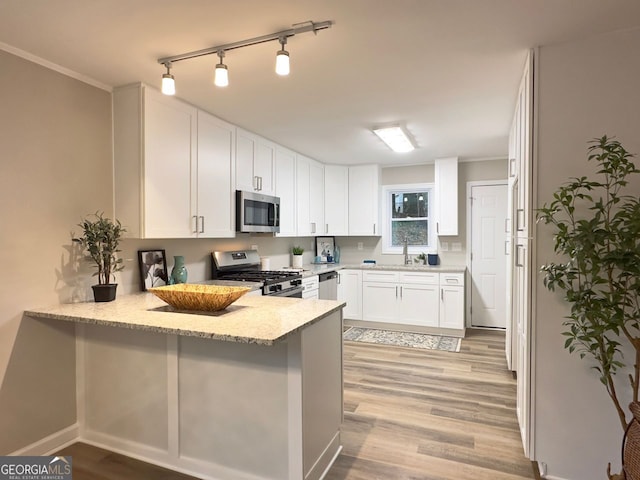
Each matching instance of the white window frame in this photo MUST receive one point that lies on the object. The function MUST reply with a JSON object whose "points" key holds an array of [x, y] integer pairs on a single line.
{"points": [[387, 190]]}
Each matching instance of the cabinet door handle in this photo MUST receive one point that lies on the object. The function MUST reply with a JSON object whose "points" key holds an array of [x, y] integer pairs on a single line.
{"points": [[202, 224], [260, 183], [326, 228], [437, 227], [519, 215], [396, 291], [374, 228], [195, 224], [442, 294], [313, 227], [401, 291], [518, 250], [255, 183], [506, 247], [507, 225], [512, 167]]}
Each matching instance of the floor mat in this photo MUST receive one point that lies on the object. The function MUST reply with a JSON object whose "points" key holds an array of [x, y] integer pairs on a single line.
{"points": [[403, 339]]}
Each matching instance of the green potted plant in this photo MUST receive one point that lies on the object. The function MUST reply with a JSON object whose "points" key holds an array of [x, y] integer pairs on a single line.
{"points": [[100, 239], [296, 261], [421, 258], [597, 232]]}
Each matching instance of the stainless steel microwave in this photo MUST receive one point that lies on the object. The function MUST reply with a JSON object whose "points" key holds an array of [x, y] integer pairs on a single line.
{"points": [[256, 212]]}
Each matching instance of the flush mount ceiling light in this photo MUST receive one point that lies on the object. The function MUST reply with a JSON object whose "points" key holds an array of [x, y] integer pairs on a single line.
{"points": [[168, 82], [221, 76], [282, 57], [396, 138]]}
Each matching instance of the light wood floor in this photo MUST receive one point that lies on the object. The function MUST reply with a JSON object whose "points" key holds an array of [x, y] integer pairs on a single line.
{"points": [[430, 415], [409, 415]]}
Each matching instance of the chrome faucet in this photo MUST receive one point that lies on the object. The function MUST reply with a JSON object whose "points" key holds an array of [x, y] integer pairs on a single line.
{"points": [[405, 251]]}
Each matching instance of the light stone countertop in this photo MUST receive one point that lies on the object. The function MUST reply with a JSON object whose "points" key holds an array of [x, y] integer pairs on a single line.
{"points": [[314, 269], [262, 320]]}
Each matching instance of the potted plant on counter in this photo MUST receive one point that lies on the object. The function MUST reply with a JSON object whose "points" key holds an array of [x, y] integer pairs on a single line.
{"points": [[100, 239], [296, 261]]}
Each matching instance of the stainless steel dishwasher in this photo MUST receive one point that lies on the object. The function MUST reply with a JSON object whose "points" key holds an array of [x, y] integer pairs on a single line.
{"points": [[328, 286]]}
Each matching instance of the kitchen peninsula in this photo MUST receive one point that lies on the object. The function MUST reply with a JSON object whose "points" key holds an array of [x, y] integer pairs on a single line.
{"points": [[251, 392]]}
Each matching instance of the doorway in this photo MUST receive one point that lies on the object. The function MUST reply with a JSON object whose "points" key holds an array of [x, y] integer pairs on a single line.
{"points": [[488, 250]]}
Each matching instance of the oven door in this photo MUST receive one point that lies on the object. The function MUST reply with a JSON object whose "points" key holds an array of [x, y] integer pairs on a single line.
{"points": [[256, 212], [295, 292]]}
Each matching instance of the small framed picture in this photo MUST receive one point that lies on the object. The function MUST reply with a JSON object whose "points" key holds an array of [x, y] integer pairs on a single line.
{"points": [[325, 247], [153, 268]]}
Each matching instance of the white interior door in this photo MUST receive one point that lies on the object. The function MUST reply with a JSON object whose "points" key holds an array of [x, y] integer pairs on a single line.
{"points": [[488, 255]]}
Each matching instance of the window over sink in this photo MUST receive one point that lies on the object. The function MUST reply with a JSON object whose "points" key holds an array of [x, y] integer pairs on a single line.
{"points": [[407, 213]]}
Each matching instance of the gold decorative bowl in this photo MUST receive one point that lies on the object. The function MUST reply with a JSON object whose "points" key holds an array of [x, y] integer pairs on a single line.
{"points": [[188, 296]]}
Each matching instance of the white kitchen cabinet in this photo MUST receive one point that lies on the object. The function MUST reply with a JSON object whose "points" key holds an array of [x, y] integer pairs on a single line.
{"points": [[285, 184], [350, 291], [154, 145], [255, 163], [416, 298], [419, 303], [452, 301], [309, 196], [336, 199], [379, 302], [364, 200], [446, 192], [162, 190], [215, 206]]}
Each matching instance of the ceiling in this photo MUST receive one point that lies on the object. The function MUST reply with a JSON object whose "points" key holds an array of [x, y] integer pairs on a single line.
{"points": [[446, 69]]}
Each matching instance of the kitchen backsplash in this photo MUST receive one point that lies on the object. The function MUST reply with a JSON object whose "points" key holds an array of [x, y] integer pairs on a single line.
{"points": [[197, 253]]}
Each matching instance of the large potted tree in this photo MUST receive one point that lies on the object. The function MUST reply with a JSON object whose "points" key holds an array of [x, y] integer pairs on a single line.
{"points": [[100, 239], [596, 224]]}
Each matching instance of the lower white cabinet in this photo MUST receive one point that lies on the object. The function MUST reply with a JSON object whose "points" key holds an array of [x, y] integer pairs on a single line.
{"points": [[452, 300], [426, 299], [350, 291]]}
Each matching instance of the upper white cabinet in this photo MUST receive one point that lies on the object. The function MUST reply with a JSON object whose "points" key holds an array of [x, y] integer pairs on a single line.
{"points": [[336, 200], [154, 145], [309, 196], [446, 186], [215, 171], [364, 200], [285, 184], [161, 189], [255, 163]]}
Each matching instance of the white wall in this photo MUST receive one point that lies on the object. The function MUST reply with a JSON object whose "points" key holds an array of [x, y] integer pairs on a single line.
{"points": [[55, 134], [587, 89]]}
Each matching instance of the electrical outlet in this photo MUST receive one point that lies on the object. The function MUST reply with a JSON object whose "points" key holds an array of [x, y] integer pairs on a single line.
{"points": [[360, 246], [456, 247], [444, 246], [254, 247]]}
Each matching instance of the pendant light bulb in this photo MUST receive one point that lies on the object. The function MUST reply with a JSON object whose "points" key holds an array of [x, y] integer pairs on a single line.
{"points": [[282, 59], [168, 82], [221, 77]]}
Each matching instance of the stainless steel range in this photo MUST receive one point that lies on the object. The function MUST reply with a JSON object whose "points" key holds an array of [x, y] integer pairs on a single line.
{"points": [[244, 266]]}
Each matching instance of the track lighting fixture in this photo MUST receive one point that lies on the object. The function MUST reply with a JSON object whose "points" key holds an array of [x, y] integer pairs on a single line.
{"points": [[168, 82], [282, 59], [221, 78]]}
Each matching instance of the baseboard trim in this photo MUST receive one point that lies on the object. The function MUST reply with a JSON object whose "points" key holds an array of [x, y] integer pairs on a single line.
{"points": [[51, 443], [157, 456]]}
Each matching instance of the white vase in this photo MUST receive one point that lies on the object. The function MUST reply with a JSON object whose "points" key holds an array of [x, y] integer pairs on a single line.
{"points": [[296, 261]]}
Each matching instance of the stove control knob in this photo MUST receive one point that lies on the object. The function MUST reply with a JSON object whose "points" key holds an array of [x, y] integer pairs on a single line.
{"points": [[274, 288], [295, 283]]}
